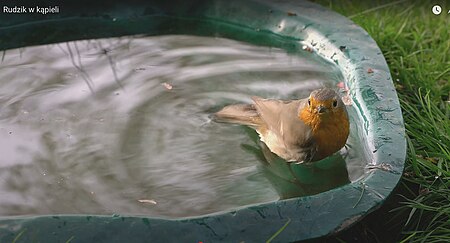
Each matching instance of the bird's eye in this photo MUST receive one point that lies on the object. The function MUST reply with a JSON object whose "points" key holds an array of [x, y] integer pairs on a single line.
{"points": [[335, 103], [309, 102]]}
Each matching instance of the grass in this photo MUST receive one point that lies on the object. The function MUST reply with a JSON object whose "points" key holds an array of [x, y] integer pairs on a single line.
{"points": [[279, 231], [416, 45]]}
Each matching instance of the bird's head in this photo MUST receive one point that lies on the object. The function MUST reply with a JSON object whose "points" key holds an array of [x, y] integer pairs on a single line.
{"points": [[324, 102], [321, 106]]}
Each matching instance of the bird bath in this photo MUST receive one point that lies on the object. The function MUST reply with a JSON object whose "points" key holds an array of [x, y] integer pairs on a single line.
{"points": [[275, 32]]}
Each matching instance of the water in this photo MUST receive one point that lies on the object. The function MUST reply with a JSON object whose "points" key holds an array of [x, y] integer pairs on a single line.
{"points": [[95, 126]]}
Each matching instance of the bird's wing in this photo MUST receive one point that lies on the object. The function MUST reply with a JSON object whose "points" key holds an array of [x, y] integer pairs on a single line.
{"points": [[244, 114], [269, 111], [277, 115], [281, 117], [296, 132]]}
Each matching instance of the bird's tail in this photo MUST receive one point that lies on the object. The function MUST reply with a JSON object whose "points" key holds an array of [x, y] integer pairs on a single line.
{"points": [[244, 114]]}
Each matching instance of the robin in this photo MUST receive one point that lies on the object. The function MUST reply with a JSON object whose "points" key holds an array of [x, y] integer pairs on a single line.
{"points": [[300, 131]]}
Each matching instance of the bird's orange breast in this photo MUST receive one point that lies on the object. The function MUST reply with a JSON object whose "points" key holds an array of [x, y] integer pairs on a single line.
{"points": [[329, 133]]}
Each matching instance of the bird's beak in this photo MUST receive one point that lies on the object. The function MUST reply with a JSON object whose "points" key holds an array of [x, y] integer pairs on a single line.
{"points": [[321, 109]]}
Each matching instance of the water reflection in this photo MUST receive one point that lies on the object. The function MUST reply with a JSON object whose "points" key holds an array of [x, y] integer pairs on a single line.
{"points": [[94, 126], [295, 180]]}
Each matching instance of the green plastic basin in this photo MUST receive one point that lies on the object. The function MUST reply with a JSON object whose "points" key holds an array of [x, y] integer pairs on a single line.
{"points": [[332, 36]]}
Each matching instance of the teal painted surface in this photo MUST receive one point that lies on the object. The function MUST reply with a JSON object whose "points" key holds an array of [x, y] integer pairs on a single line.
{"points": [[258, 22]]}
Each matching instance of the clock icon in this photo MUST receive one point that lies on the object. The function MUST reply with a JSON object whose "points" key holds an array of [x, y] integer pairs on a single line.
{"points": [[436, 9]]}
